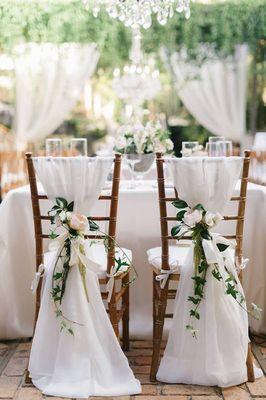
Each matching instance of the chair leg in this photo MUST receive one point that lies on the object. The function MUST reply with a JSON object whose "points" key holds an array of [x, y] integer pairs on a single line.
{"points": [[125, 318], [154, 301], [158, 331], [250, 366], [27, 377]]}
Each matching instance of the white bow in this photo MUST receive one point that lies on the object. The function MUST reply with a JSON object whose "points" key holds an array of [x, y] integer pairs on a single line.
{"points": [[36, 280], [165, 273], [75, 253]]}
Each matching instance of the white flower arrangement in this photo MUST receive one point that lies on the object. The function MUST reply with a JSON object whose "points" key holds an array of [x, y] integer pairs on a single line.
{"points": [[143, 139]]}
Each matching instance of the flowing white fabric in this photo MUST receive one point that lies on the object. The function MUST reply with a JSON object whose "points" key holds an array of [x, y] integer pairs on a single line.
{"points": [[218, 355], [49, 79], [214, 92], [90, 363]]}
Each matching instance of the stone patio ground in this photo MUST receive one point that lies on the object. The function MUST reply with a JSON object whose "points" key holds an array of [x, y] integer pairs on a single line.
{"points": [[14, 358]]}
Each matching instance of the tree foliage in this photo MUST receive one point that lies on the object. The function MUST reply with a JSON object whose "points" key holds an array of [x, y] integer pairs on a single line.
{"points": [[224, 24]]}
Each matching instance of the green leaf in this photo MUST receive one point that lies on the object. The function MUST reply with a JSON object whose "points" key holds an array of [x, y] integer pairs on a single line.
{"points": [[71, 331], [70, 206], [194, 313], [222, 247], [203, 266], [57, 275], [92, 225], [199, 207], [179, 204], [194, 300], [180, 215], [61, 202], [217, 274], [175, 230], [205, 234], [53, 235], [231, 290], [199, 280]]}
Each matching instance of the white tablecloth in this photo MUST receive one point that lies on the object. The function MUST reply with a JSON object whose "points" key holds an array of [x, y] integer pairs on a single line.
{"points": [[138, 229]]}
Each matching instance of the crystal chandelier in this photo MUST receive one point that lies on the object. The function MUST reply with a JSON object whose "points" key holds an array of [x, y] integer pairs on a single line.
{"points": [[138, 13], [139, 81]]}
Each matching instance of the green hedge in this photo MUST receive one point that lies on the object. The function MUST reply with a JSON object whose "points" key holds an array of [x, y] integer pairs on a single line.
{"points": [[223, 24]]}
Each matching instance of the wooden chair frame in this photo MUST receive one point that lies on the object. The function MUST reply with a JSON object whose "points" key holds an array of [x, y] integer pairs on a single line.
{"points": [[122, 295], [160, 296]]}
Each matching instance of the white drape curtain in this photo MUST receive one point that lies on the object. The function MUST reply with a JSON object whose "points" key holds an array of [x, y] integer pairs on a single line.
{"points": [[49, 79], [214, 92]]}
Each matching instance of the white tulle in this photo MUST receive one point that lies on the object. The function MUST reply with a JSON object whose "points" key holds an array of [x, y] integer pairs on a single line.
{"points": [[218, 355], [90, 363]]}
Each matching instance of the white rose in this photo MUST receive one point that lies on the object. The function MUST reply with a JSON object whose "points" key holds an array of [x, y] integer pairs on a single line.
{"points": [[169, 144], [78, 222], [191, 218], [212, 219], [159, 147]]}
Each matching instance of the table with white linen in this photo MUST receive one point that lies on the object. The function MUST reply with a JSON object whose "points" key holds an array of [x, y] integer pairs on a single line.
{"points": [[138, 229]]}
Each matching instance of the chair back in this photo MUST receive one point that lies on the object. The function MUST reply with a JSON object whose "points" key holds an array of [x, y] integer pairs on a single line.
{"points": [[237, 235], [37, 198]]}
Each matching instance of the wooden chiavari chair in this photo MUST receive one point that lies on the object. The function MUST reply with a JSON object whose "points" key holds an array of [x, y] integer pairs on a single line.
{"points": [[116, 311], [161, 296]]}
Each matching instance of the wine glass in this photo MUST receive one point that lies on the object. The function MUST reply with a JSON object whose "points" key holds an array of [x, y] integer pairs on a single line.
{"points": [[53, 147], [132, 159], [78, 147]]}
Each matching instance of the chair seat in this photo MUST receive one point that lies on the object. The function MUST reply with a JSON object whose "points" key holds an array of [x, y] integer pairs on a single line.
{"points": [[177, 256], [100, 256]]}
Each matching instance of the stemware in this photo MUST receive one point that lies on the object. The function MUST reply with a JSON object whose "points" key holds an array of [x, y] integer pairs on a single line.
{"points": [[53, 147], [78, 147], [132, 159]]}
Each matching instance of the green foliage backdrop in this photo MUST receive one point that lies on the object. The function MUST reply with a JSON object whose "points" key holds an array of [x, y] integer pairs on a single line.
{"points": [[223, 24]]}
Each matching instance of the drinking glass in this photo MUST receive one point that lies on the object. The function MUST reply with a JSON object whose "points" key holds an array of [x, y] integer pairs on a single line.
{"points": [[132, 159], [213, 139], [226, 148], [188, 147], [53, 147], [216, 149], [78, 147]]}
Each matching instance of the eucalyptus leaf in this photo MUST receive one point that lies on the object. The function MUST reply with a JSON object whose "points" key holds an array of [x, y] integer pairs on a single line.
{"points": [[175, 230], [179, 204], [180, 215]]}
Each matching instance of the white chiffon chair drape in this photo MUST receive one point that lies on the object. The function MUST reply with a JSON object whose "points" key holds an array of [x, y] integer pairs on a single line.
{"points": [[90, 363], [214, 91], [218, 355], [48, 79]]}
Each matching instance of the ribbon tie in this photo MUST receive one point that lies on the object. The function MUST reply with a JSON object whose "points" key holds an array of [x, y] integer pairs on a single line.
{"points": [[111, 282], [165, 273], [36, 280]]}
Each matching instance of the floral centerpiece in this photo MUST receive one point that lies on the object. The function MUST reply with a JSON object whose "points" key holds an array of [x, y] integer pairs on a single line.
{"points": [[143, 139]]}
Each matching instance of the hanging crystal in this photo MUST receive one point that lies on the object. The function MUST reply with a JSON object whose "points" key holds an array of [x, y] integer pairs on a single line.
{"points": [[138, 13]]}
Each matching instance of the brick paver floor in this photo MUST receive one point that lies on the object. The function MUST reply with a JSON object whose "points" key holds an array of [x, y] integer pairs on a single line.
{"points": [[14, 357]]}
